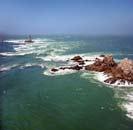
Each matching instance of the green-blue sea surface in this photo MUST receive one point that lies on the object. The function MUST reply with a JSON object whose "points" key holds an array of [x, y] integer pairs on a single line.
{"points": [[33, 100]]}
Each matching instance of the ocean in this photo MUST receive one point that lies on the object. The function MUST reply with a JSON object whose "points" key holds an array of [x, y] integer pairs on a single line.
{"points": [[31, 98]]}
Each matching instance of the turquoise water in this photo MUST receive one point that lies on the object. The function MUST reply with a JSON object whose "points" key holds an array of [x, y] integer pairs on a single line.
{"points": [[32, 100]]}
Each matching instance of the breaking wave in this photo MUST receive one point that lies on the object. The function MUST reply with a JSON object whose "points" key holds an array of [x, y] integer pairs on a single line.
{"points": [[39, 47]]}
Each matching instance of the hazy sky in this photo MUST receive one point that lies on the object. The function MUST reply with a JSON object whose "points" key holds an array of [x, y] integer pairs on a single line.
{"points": [[66, 17]]}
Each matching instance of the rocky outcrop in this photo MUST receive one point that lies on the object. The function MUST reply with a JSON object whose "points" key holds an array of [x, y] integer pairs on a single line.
{"points": [[102, 65], [122, 71], [76, 67]]}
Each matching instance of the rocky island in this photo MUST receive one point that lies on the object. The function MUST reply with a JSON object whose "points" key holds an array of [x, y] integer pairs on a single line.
{"points": [[121, 72]]}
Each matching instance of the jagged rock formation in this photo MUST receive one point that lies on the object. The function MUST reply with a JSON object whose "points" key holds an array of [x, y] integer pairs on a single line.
{"points": [[122, 71], [102, 65]]}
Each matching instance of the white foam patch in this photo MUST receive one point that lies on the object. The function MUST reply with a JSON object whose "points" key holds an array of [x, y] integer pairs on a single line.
{"points": [[100, 76], [59, 72], [68, 58], [31, 65], [55, 58], [128, 105], [86, 75]]}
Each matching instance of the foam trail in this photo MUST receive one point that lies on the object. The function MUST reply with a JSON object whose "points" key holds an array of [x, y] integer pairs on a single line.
{"points": [[20, 66], [7, 68], [31, 65]]}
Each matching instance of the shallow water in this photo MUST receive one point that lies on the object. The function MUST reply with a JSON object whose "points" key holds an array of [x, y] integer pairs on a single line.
{"points": [[31, 99]]}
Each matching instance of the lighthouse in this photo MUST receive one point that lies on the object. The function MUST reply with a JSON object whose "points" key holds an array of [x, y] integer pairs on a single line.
{"points": [[29, 40]]}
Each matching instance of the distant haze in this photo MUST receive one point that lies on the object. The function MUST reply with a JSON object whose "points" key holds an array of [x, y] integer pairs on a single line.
{"points": [[91, 17]]}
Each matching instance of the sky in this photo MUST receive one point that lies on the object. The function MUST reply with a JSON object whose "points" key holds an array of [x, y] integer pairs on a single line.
{"points": [[89, 17]]}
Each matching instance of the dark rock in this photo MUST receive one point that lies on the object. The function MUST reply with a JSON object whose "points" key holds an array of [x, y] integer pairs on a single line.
{"points": [[110, 80], [76, 58], [102, 55], [54, 70], [81, 62], [76, 67]]}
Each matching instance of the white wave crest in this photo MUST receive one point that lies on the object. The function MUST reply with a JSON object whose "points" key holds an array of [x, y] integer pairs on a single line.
{"points": [[8, 67]]}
